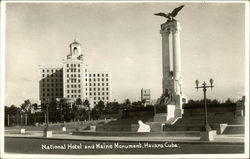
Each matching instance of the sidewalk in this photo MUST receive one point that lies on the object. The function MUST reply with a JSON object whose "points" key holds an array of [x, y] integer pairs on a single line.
{"points": [[59, 135]]}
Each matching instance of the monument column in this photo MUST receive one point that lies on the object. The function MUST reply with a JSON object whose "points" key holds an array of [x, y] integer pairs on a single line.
{"points": [[165, 58], [176, 56]]}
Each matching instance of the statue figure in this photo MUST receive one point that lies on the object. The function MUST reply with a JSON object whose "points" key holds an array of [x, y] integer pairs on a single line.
{"points": [[166, 98], [170, 16]]}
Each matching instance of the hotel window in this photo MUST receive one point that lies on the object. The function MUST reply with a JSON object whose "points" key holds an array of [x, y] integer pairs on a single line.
{"points": [[43, 75], [102, 79], [86, 79], [107, 93], [93, 75], [78, 65], [67, 91], [98, 98], [47, 85], [94, 93], [107, 84], [79, 85], [98, 75], [102, 93], [90, 80], [86, 84], [94, 79], [94, 84], [43, 70], [102, 75], [79, 75], [67, 70], [86, 70], [47, 70], [94, 98], [98, 89], [68, 96], [79, 96], [79, 91], [102, 84], [98, 84], [98, 93], [89, 75], [103, 89], [47, 80], [90, 94], [106, 75], [94, 89], [98, 80], [102, 98], [47, 89], [89, 84], [79, 81], [67, 86], [89, 89], [107, 79], [107, 98], [72, 91], [67, 65], [86, 94], [107, 89], [78, 70]]}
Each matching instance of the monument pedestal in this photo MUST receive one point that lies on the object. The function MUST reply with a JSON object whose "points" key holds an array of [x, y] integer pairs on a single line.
{"points": [[207, 135]]}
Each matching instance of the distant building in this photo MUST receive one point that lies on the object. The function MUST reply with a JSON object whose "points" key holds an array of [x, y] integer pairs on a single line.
{"points": [[146, 96], [74, 80]]}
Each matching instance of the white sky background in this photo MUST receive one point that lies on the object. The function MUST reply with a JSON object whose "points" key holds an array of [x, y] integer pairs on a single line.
{"points": [[124, 38]]}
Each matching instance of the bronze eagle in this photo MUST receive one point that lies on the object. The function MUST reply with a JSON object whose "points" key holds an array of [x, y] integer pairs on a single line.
{"points": [[170, 16]]}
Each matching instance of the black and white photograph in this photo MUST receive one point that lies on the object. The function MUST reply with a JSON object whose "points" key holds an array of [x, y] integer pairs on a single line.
{"points": [[124, 79]]}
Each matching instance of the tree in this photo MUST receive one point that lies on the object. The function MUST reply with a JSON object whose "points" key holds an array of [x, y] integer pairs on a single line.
{"points": [[78, 106], [86, 109], [99, 108], [25, 108]]}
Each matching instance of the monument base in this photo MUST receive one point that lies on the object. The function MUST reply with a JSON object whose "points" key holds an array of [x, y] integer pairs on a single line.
{"points": [[207, 135], [47, 134]]}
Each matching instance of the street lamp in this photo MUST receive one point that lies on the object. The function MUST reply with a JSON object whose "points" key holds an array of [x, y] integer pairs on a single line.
{"points": [[205, 86], [47, 115]]}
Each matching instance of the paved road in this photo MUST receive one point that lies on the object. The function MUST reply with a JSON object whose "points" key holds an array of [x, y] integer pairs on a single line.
{"points": [[33, 145]]}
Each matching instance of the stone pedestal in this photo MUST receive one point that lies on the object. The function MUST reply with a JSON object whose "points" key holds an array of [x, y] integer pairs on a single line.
{"points": [[47, 134], [64, 128], [22, 131], [207, 135]]}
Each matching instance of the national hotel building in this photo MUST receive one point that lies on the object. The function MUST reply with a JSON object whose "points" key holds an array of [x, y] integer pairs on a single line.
{"points": [[74, 80]]}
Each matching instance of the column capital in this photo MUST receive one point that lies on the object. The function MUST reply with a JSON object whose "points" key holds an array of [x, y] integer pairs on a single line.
{"points": [[170, 26]]}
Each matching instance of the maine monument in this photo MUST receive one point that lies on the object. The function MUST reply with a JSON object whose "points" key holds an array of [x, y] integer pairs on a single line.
{"points": [[169, 106]]}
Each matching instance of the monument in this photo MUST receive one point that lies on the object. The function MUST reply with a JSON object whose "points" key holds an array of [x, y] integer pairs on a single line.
{"points": [[169, 107]]}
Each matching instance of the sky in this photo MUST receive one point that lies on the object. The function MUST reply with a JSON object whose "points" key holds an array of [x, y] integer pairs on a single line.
{"points": [[124, 39]]}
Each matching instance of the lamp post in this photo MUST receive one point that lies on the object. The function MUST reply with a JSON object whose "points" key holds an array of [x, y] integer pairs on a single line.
{"points": [[47, 116], [204, 86]]}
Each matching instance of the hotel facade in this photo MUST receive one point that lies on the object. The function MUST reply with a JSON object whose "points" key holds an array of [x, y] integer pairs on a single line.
{"points": [[73, 80]]}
